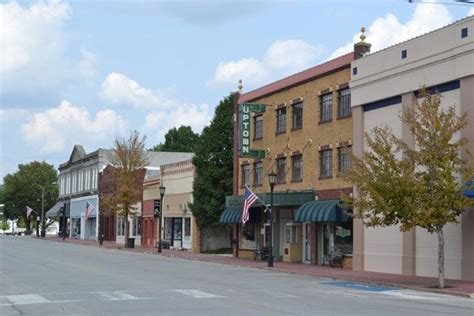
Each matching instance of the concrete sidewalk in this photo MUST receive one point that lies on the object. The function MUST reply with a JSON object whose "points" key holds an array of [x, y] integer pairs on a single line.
{"points": [[427, 284]]}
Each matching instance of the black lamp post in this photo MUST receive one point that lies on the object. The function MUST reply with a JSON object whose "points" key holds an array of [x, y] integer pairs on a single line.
{"points": [[38, 218], [160, 212], [271, 179], [62, 227]]}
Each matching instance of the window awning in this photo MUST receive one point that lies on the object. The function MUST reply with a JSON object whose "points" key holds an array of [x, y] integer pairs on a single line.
{"points": [[231, 215], [54, 211], [321, 211]]}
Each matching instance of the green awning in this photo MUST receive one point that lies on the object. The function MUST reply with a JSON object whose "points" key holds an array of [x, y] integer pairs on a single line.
{"points": [[231, 215], [321, 211]]}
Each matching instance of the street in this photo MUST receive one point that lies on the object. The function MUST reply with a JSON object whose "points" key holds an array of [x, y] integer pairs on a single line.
{"points": [[39, 277]]}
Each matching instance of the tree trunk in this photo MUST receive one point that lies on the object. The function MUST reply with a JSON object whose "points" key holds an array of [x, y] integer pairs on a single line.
{"points": [[440, 234], [126, 228]]}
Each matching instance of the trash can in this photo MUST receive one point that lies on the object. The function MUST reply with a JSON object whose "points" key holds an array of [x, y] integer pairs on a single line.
{"points": [[130, 242]]}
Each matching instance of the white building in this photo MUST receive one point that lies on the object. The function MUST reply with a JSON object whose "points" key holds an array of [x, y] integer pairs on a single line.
{"points": [[382, 84]]}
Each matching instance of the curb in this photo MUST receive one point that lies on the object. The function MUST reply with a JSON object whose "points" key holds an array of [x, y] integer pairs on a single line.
{"points": [[354, 279]]}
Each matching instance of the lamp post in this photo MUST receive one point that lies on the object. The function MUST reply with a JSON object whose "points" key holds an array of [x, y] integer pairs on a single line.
{"points": [[162, 193], [38, 218], [271, 179], [61, 221]]}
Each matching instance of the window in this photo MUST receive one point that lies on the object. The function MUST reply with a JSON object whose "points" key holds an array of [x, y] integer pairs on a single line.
{"points": [[404, 54], [87, 183], [281, 120], [354, 71], [178, 228], [326, 163], [281, 170], [168, 227], [258, 126], [298, 115], [326, 107], [245, 174], [297, 167], [464, 32], [258, 173], [120, 226], [187, 227], [247, 236], [343, 234], [136, 226], [344, 158], [74, 182], [344, 102]]}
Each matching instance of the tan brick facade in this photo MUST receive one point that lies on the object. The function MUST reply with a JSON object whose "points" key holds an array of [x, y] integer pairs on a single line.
{"points": [[308, 140]]}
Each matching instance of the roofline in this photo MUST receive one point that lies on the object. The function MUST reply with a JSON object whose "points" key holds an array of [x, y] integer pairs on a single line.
{"points": [[248, 96]]}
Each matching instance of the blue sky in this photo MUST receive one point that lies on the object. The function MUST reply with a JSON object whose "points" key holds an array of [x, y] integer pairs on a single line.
{"points": [[84, 72]]}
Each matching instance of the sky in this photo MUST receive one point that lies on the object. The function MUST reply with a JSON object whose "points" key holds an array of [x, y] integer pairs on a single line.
{"points": [[86, 72]]}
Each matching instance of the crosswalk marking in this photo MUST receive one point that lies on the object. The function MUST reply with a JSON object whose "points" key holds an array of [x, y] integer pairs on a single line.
{"points": [[197, 293], [27, 299]]}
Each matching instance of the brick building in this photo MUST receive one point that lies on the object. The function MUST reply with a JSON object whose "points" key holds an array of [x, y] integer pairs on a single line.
{"points": [[301, 128]]}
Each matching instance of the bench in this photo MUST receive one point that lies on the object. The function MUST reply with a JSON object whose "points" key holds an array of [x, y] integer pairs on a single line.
{"points": [[261, 254], [336, 258]]}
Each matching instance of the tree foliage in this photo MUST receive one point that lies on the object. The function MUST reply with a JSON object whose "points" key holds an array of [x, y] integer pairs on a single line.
{"points": [[213, 161], [129, 160], [23, 188], [181, 139], [417, 184]]}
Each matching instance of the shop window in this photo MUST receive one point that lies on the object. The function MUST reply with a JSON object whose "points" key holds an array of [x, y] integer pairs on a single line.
{"points": [[187, 227], [297, 168], [247, 236], [258, 126], [120, 226], [168, 227], [344, 158], [136, 226], [281, 120], [326, 107], [178, 228], [344, 109], [245, 174], [298, 115], [343, 237], [258, 173], [281, 170], [326, 163]]}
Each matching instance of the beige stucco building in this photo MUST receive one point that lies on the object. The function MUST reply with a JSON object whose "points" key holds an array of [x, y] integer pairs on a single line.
{"points": [[382, 84]]}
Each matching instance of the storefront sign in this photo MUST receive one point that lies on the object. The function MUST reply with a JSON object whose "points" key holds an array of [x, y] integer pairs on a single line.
{"points": [[245, 124]]}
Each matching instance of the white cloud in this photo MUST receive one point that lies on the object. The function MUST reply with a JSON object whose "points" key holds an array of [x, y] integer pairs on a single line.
{"points": [[388, 30], [118, 89], [282, 58], [470, 12], [59, 128], [34, 50], [187, 114]]}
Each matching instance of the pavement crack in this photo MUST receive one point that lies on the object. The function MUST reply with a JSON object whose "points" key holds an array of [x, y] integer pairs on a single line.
{"points": [[18, 309]]}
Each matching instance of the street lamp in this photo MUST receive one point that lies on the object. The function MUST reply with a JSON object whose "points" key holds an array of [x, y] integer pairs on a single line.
{"points": [[38, 218], [162, 193], [271, 179], [43, 218], [62, 225]]}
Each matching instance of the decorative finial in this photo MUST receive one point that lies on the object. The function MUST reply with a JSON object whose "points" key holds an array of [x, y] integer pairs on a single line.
{"points": [[362, 34], [240, 85]]}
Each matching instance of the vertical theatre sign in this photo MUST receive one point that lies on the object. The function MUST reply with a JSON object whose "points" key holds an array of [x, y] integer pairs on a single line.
{"points": [[245, 123]]}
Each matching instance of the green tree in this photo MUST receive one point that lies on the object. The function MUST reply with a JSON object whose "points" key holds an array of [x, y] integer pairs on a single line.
{"points": [[5, 225], [181, 139], [129, 160], [419, 184], [213, 161], [23, 188]]}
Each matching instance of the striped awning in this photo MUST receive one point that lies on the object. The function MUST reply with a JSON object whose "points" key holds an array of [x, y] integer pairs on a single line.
{"points": [[231, 215], [321, 211]]}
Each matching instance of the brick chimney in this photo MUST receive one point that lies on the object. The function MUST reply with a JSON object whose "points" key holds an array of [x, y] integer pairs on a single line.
{"points": [[361, 48]]}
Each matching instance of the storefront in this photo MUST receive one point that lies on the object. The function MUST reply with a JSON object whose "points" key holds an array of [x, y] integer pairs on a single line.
{"points": [[81, 227], [177, 231]]}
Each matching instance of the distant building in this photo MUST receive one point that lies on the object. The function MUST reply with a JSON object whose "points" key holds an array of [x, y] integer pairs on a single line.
{"points": [[382, 85]]}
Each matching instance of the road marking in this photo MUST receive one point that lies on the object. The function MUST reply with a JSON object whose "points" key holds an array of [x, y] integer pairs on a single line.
{"points": [[277, 294], [120, 296], [27, 299], [197, 293]]}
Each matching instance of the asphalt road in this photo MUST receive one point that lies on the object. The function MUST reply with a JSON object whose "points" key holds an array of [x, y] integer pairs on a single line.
{"points": [[39, 277]]}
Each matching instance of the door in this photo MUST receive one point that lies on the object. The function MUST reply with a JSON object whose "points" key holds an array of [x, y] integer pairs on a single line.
{"points": [[306, 242], [177, 232]]}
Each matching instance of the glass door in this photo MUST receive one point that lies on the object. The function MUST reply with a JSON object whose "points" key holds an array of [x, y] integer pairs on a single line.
{"points": [[307, 242], [177, 232]]}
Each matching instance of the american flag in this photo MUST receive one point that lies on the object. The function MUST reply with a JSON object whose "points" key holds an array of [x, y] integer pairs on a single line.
{"points": [[89, 209], [28, 211], [250, 198]]}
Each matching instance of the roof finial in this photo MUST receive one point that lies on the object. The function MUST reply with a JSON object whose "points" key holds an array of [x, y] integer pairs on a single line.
{"points": [[362, 34], [240, 85]]}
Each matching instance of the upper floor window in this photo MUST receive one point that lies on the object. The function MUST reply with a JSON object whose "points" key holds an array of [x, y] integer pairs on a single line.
{"points": [[297, 168], [258, 173], [258, 126], [298, 115], [245, 174], [281, 120], [281, 170], [325, 163], [326, 107], [344, 102], [344, 158]]}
